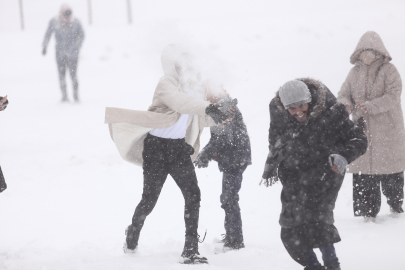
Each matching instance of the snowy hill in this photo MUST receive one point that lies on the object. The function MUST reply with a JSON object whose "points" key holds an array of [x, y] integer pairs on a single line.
{"points": [[70, 196]]}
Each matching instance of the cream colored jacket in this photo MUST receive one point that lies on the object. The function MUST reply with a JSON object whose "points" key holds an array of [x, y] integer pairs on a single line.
{"points": [[128, 128], [379, 87]]}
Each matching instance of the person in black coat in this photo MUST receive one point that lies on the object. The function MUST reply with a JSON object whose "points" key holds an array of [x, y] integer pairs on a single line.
{"points": [[311, 140], [230, 147]]}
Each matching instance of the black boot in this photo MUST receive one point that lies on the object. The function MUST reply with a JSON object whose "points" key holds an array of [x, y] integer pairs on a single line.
{"points": [[233, 243], [190, 253], [131, 243]]}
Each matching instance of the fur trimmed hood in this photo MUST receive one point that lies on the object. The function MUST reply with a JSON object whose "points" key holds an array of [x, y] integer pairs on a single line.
{"points": [[318, 92]]}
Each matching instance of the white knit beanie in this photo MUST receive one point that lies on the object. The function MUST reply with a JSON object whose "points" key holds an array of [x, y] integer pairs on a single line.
{"points": [[294, 92]]}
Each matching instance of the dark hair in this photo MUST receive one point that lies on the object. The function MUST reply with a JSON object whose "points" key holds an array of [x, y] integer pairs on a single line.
{"points": [[67, 13]]}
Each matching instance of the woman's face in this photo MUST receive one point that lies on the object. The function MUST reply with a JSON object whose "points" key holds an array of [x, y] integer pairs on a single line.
{"points": [[367, 57]]}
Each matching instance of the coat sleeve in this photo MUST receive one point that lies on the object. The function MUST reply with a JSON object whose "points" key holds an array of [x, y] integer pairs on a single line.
{"points": [[169, 94], [48, 33], [344, 95], [352, 142], [392, 93]]}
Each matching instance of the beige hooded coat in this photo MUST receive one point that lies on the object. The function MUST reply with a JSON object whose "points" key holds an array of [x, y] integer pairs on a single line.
{"points": [[378, 87], [128, 128]]}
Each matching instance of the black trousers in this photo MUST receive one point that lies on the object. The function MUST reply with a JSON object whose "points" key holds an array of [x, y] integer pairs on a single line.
{"points": [[162, 157], [65, 62], [367, 194], [231, 185]]}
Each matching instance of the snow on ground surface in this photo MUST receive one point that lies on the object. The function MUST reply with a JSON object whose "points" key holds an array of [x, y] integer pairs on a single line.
{"points": [[71, 196]]}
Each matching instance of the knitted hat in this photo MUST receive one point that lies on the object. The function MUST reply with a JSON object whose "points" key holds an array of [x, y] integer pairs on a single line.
{"points": [[294, 92]]}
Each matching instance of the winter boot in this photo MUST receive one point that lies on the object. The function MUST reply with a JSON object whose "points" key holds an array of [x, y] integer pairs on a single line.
{"points": [[131, 243], [190, 253], [233, 243]]}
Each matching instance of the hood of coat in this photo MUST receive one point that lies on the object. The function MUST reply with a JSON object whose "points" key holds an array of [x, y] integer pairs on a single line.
{"points": [[169, 56], [370, 41], [318, 93]]}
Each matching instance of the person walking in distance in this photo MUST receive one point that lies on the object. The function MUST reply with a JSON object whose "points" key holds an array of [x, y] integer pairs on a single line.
{"points": [[372, 94], [165, 140], [69, 36]]}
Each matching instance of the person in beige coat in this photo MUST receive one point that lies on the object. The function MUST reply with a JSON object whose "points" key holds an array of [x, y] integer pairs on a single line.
{"points": [[372, 94], [165, 140]]}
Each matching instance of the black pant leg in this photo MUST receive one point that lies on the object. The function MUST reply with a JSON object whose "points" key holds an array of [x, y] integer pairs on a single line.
{"points": [[231, 185], [393, 188], [183, 173], [366, 195], [154, 176]]}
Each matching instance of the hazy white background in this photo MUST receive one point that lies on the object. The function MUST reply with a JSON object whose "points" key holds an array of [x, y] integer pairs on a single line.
{"points": [[70, 196]]}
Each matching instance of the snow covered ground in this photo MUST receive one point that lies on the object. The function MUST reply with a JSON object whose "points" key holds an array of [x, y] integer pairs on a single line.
{"points": [[70, 196]]}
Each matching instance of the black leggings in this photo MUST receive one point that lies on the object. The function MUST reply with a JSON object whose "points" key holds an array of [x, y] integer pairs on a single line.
{"points": [[367, 194], [162, 157]]}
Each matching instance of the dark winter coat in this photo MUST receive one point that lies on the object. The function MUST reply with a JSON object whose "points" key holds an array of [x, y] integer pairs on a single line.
{"points": [[229, 145], [310, 186], [68, 36]]}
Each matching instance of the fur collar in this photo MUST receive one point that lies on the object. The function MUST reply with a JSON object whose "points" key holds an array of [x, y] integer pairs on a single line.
{"points": [[318, 93]]}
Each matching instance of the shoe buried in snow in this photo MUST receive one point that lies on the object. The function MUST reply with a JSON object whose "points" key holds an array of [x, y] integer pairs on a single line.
{"points": [[396, 210], [233, 244], [369, 219], [230, 246], [127, 250], [131, 241], [221, 241], [193, 259]]}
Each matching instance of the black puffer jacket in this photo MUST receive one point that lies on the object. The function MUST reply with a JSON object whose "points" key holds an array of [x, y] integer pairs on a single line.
{"points": [[310, 187], [230, 144]]}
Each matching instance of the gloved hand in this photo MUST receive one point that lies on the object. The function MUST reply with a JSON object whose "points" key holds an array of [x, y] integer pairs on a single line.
{"points": [[43, 51], [339, 161], [216, 114], [202, 160]]}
